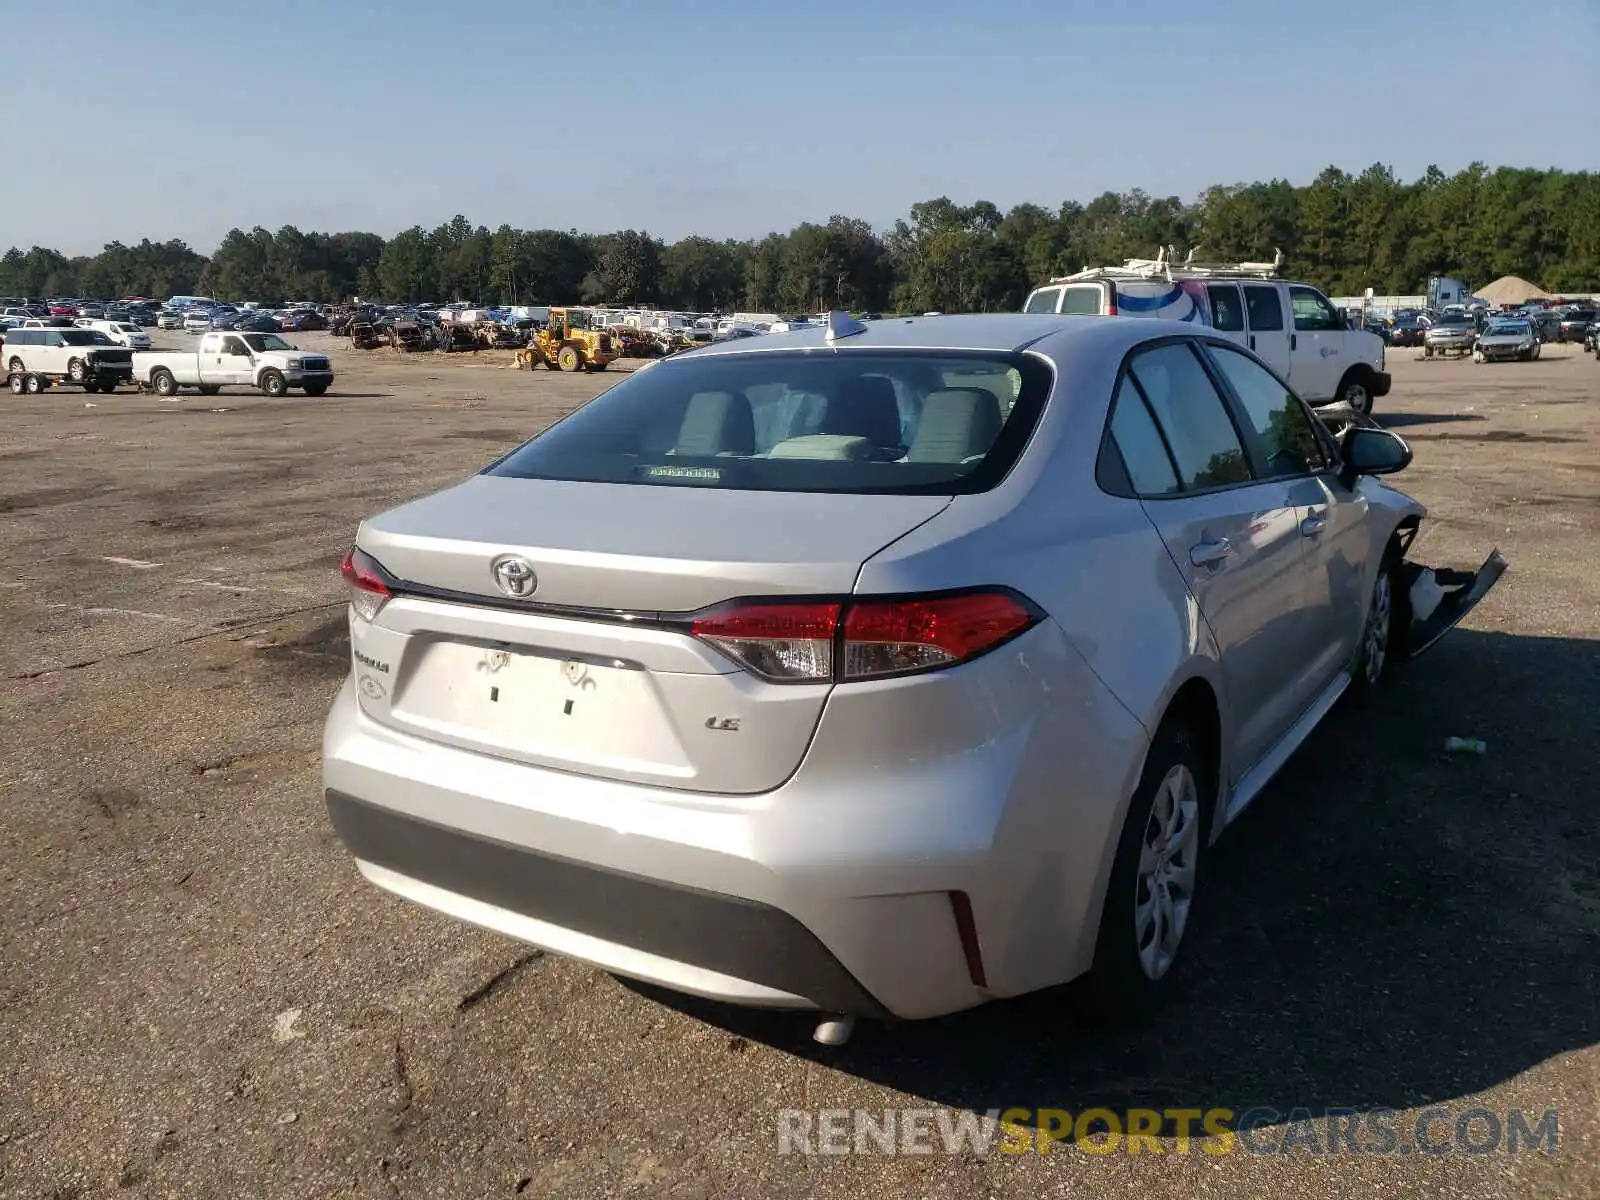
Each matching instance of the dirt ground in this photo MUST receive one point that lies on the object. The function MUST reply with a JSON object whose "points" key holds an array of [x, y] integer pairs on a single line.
{"points": [[200, 997]]}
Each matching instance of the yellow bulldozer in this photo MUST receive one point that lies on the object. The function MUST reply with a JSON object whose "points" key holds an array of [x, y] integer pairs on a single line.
{"points": [[569, 343]]}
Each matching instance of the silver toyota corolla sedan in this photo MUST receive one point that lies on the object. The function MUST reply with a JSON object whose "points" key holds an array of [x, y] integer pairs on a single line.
{"points": [[875, 669]]}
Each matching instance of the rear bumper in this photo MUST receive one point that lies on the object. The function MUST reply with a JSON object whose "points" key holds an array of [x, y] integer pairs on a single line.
{"points": [[752, 951], [832, 892]]}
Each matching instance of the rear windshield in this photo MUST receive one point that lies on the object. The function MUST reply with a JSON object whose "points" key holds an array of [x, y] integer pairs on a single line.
{"points": [[1044, 300], [865, 421]]}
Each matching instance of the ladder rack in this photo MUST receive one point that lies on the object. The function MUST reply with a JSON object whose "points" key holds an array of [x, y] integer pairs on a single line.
{"points": [[1165, 266]]}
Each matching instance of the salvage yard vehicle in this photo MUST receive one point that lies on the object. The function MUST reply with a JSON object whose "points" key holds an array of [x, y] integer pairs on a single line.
{"points": [[259, 360], [1053, 600], [1575, 323], [85, 357], [122, 333], [1407, 330], [1507, 338], [1452, 335], [570, 343], [1294, 327]]}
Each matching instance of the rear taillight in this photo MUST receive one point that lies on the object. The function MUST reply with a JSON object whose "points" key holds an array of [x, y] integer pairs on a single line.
{"points": [[812, 641], [368, 592], [783, 641]]}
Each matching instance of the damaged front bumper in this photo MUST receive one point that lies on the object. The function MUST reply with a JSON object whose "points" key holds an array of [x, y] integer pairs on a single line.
{"points": [[1438, 597]]}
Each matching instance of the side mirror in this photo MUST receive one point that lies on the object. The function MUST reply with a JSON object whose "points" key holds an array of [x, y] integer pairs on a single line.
{"points": [[1370, 451]]}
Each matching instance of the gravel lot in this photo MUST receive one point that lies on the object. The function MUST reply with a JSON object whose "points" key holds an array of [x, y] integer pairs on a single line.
{"points": [[200, 997]]}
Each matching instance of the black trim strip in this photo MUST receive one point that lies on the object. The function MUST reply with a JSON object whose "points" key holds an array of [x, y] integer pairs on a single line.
{"points": [[727, 934]]}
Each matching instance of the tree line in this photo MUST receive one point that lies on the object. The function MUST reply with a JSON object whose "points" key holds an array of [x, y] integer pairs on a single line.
{"points": [[1341, 232]]}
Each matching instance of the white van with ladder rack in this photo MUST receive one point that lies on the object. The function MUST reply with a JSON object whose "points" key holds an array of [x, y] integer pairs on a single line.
{"points": [[1292, 327]]}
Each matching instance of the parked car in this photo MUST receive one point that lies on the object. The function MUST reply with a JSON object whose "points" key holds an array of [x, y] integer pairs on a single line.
{"points": [[260, 360], [1574, 324], [1591, 340], [121, 333], [306, 320], [1507, 338], [1451, 334], [838, 770], [81, 356], [1547, 323], [170, 318], [1406, 331], [197, 320], [256, 322], [1293, 326]]}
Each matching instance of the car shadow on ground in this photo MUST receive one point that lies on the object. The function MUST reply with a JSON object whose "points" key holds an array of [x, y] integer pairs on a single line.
{"points": [[1401, 420], [1388, 925]]}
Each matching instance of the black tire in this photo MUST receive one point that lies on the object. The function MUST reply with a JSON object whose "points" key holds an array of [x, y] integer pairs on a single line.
{"points": [[16, 367], [274, 385], [15, 380], [316, 389], [1355, 389], [1427, 352], [76, 370], [91, 386], [32, 384], [210, 389], [164, 382], [1372, 661], [1121, 985], [599, 366], [108, 386]]}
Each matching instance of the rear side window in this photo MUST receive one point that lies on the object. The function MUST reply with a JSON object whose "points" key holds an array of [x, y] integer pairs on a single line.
{"points": [[867, 421], [1264, 308], [1226, 314], [1192, 415], [1144, 454]]}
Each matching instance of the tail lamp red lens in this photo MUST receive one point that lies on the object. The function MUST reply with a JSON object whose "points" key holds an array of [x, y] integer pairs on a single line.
{"points": [[368, 592], [816, 641]]}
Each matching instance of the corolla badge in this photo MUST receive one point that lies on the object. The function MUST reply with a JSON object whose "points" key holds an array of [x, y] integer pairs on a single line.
{"points": [[372, 687], [514, 576]]}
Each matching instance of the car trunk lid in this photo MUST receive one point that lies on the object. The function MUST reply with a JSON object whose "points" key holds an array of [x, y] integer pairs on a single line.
{"points": [[595, 672]]}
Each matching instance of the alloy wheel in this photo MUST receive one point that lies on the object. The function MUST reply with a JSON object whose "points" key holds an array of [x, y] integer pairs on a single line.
{"points": [[1169, 854], [1377, 637]]}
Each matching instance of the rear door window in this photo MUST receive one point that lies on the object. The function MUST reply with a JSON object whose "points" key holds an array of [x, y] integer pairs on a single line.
{"points": [[1084, 300], [1144, 452], [1263, 307], [1045, 300], [1192, 415]]}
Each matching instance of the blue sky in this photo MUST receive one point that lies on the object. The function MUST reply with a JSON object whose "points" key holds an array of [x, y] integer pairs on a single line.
{"points": [[735, 118]]}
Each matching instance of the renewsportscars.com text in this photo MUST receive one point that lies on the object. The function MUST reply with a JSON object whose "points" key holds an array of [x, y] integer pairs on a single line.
{"points": [[1163, 1131]]}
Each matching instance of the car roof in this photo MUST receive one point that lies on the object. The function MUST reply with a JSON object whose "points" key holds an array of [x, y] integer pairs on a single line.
{"points": [[977, 331]]}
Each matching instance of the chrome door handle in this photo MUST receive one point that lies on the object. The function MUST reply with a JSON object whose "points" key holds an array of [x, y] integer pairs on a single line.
{"points": [[1313, 525], [1210, 554]]}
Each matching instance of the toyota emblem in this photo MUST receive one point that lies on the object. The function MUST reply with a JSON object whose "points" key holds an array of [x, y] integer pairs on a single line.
{"points": [[514, 576]]}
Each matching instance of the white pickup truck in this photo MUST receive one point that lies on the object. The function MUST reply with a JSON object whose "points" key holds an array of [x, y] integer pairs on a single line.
{"points": [[259, 360]]}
